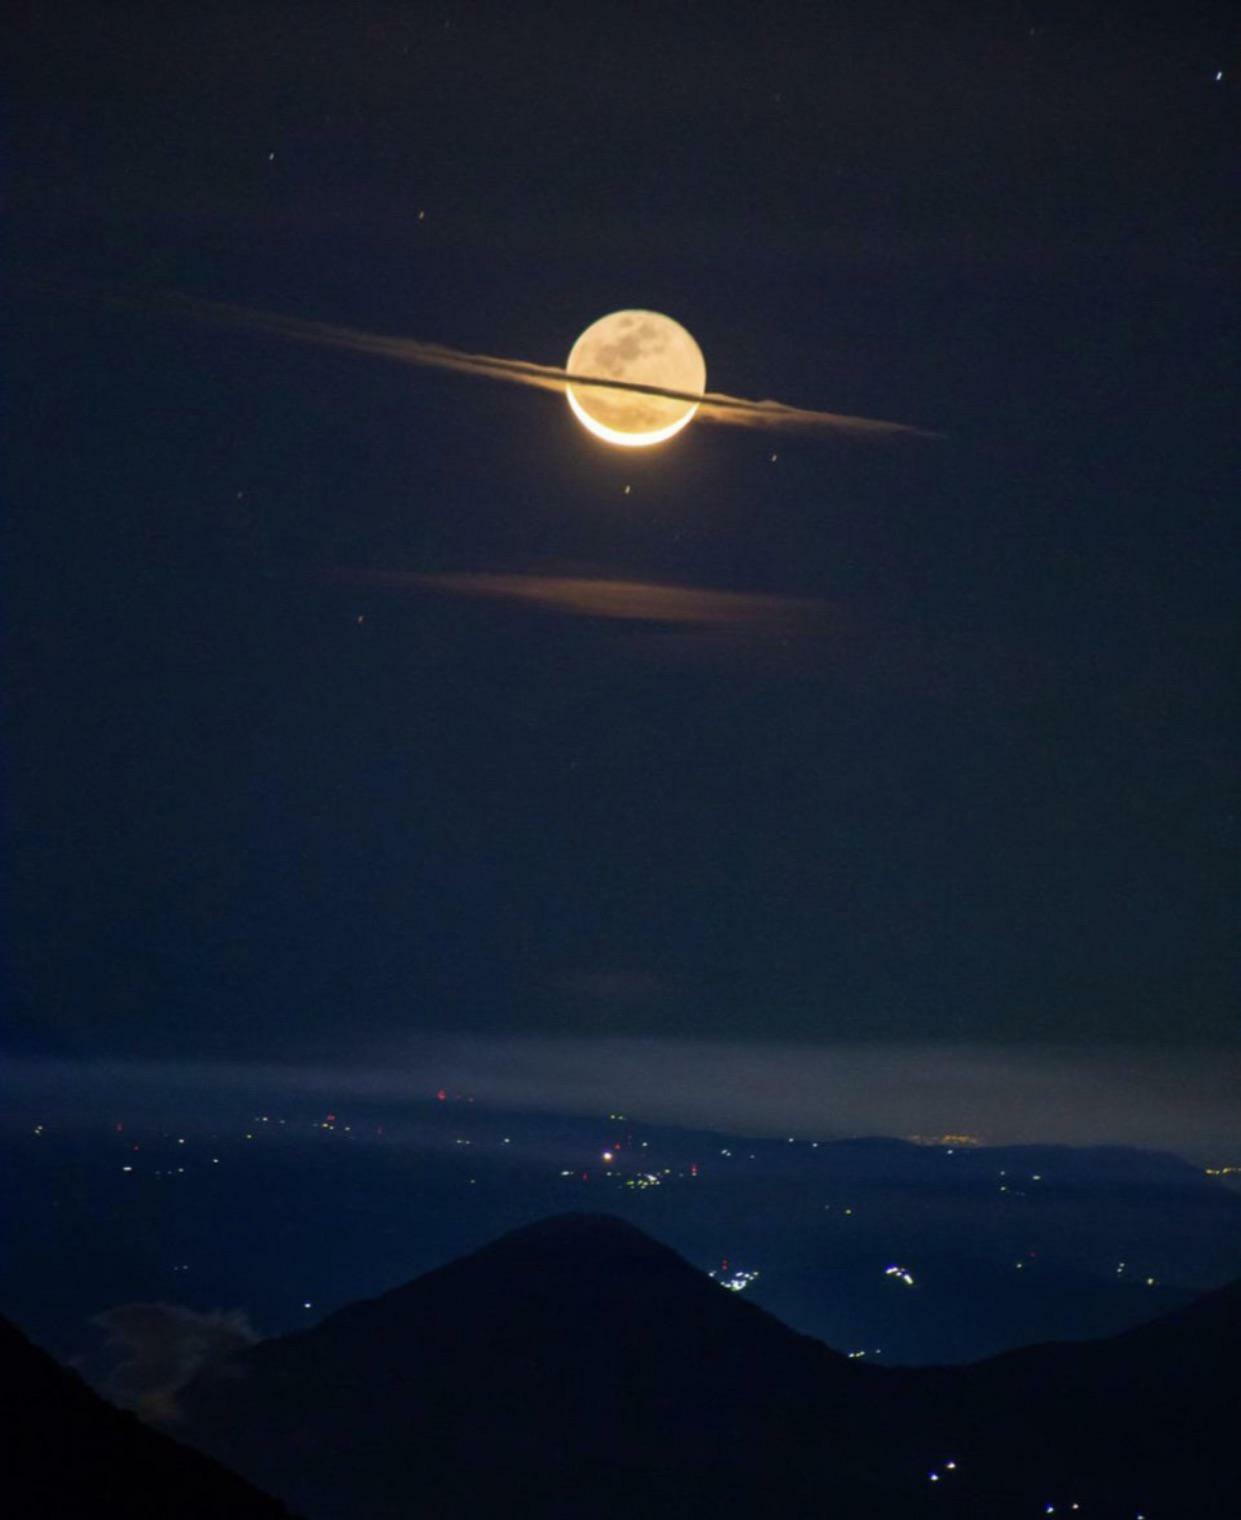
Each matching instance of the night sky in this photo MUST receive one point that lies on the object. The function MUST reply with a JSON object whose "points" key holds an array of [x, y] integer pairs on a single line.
{"points": [[953, 767]]}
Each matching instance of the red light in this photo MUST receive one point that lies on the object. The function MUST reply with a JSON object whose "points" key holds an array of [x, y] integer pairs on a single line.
{"points": [[119, 1127], [441, 1096]]}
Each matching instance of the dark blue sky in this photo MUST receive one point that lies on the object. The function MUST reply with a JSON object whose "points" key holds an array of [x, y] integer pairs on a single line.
{"points": [[267, 799]]}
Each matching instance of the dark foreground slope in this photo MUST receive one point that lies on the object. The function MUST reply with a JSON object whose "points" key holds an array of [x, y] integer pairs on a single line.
{"points": [[577, 1367], [66, 1454], [1145, 1422]]}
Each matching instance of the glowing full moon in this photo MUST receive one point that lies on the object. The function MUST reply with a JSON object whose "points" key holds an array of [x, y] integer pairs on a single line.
{"points": [[643, 348]]}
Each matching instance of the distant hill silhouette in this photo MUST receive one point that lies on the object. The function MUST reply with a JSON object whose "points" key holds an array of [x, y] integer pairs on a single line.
{"points": [[576, 1367], [66, 1454]]}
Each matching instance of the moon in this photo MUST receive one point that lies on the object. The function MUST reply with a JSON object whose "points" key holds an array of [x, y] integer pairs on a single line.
{"points": [[643, 348]]}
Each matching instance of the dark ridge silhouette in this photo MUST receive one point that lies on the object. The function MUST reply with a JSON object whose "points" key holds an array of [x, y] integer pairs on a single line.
{"points": [[67, 1454], [1149, 1414], [577, 1367]]}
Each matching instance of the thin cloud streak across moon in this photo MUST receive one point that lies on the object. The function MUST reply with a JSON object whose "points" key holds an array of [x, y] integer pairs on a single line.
{"points": [[714, 406]]}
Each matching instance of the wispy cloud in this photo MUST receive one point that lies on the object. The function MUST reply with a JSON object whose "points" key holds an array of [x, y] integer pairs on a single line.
{"points": [[631, 601], [155, 1350], [697, 624], [714, 406]]}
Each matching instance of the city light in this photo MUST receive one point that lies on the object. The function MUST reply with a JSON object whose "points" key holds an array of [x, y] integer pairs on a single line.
{"points": [[734, 1281]]}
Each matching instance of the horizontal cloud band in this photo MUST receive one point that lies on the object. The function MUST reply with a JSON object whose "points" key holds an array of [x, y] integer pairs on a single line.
{"points": [[714, 406], [1179, 1099]]}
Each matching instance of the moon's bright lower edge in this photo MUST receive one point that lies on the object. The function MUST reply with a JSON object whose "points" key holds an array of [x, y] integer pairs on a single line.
{"points": [[645, 348]]}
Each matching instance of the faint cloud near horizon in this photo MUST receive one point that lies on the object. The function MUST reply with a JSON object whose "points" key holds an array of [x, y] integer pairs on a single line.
{"points": [[1166, 1098], [156, 1349]]}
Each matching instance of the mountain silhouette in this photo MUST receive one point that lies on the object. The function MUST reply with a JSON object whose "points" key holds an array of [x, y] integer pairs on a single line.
{"points": [[573, 1367], [67, 1454], [576, 1367]]}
